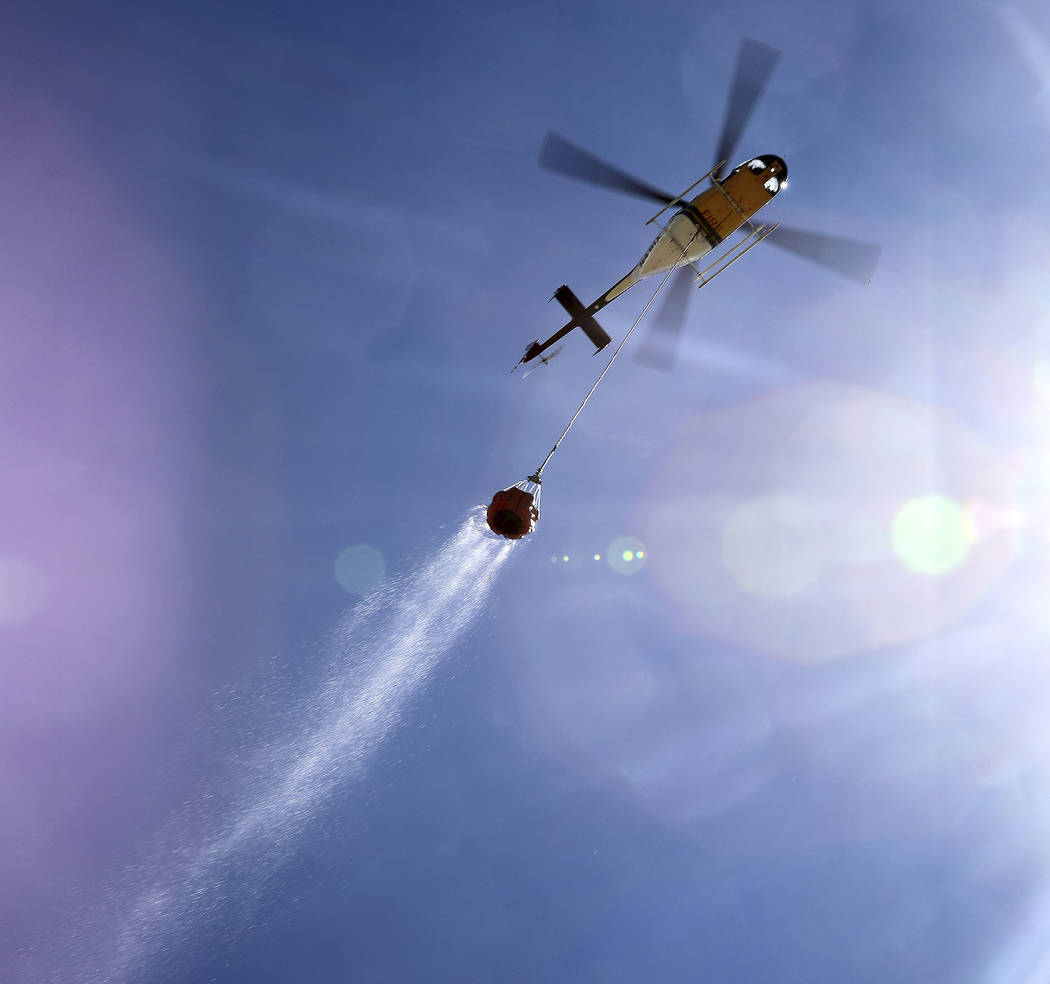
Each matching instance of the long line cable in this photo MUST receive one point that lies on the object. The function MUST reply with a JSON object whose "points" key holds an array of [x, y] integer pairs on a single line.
{"points": [[539, 471]]}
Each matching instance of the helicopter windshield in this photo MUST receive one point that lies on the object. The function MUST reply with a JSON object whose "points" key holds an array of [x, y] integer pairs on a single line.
{"points": [[757, 165]]}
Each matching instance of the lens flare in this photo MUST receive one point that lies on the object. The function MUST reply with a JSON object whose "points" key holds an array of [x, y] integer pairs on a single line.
{"points": [[932, 534], [788, 547], [626, 555], [360, 569]]}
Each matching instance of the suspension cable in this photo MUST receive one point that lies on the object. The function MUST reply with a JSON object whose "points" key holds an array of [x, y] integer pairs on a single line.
{"points": [[535, 476]]}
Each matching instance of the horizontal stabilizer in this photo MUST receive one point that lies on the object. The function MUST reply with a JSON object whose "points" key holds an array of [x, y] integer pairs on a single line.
{"points": [[581, 319]]}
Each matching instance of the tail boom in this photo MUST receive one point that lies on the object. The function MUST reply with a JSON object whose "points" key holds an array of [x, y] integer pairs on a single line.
{"points": [[580, 317]]}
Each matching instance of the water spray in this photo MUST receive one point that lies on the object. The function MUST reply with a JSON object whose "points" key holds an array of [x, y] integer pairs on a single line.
{"points": [[379, 659]]}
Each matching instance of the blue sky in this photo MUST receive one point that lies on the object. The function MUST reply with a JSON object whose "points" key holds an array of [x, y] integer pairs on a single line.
{"points": [[265, 269]]}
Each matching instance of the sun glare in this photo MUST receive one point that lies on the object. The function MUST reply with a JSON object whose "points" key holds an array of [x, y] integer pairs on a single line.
{"points": [[931, 534]]}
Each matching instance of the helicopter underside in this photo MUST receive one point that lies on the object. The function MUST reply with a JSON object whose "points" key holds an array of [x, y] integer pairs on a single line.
{"points": [[679, 244], [665, 252]]}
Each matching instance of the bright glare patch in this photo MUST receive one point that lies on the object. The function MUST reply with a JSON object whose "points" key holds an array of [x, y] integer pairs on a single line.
{"points": [[597, 556], [565, 558], [23, 590], [360, 569], [932, 534], [626, 555]]}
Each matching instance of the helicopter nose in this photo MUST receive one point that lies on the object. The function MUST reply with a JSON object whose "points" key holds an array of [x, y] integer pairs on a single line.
{"points": [[778, 167]]}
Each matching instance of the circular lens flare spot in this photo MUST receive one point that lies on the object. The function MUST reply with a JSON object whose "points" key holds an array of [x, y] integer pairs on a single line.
{"points": [[360, 569], [626, 555], [932, 534]]}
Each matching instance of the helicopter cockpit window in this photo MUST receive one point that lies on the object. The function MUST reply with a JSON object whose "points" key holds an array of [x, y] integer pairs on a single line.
{"points": [[772, 186], [757, 165]]}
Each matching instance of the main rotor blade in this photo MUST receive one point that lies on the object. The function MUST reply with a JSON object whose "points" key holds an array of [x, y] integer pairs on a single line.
{"points": [[557, 154], [848, 257], [659, 350], [754, 64]]}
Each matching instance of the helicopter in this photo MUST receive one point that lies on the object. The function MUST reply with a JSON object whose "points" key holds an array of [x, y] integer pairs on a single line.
{"points": [[698, 226]]}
